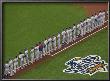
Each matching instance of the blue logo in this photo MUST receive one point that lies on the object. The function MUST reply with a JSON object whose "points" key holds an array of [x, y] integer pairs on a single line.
{"points": [[87, 65]]}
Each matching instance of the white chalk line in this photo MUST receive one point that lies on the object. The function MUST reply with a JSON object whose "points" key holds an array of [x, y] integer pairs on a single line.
{"points": [[80, 40]]}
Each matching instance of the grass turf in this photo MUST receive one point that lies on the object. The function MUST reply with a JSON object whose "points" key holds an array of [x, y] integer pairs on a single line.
{"points": [[52, 68], [25, 24]]}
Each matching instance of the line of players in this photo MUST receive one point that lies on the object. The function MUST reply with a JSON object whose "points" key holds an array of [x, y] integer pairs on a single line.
{"points": [[53, 43]]}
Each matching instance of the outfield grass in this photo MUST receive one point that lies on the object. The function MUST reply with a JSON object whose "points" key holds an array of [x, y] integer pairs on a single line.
{"points": [[25, 24], [28, 23], [53, 68]]}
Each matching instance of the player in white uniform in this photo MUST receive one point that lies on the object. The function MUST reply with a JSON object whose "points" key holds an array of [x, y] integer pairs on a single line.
{"points": [[88, 25], [68, 35], [16, 66], [58, 41], [32, 55], [45, 47], [63, 37], [26, 56], [74, 32], [85, 26], [99, 18], [96, 21], [50, 49], [36, 48], [78, 31], [11, 67], [103, 17], [21, 57], [81, 28], [6, 69], [54, 43], [92, 22]]}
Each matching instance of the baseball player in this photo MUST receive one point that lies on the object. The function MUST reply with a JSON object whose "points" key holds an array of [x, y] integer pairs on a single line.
{"points": [[92, 23], [32, 55], [37, 52], [85, 26], [54, 42], [88, 25], [67, 36], [11, 67], [16, 66], [96, 21], [21, 57], [45, 47], [74, 32], [6, 69], [58, 41], [81, 28], [63, 37], [40, 50], [78, 31], [99, 18], [50, 49], [26, 56], [70, 35], [103, 17]]}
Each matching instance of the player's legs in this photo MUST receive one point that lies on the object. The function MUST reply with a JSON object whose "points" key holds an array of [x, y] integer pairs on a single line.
{"points": [[11, 71], [59, 45], [54, 46], [71, 38], [15, 67], [51, 49], [20, 63]]}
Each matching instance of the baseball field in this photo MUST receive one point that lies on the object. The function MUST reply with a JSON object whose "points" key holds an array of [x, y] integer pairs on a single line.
{"points": [[26, 24]]}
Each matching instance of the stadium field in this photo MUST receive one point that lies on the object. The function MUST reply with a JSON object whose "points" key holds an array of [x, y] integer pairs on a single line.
{"points": [[53, 68], [29, 23], [25, 24]]}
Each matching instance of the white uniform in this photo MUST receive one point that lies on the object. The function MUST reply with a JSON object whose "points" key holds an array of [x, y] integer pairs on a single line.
{"points": [[32, 55], [96, 21], [85, 27], [54, 43], [82, 29], [37, 53], [99, 19], [26, 57], [74, 33], [16, 66], [11, 67], [45, 47], [58, 41], [50, 45], [103, 17], [92, 23], [78, 32], [88, 25], [21, 56], [6, 70], [68, 36], [63, 37]]}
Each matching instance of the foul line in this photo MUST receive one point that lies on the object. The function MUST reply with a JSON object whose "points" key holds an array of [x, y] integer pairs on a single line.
{"points": [[79, 40]]}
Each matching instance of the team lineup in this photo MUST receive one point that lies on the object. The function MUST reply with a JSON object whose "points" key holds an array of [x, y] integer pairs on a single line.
{"points": [[51, 44]]}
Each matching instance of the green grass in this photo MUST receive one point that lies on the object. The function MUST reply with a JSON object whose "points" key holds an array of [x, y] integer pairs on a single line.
{"points": [[25, 24], [52, 68]]}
